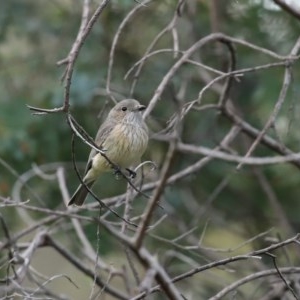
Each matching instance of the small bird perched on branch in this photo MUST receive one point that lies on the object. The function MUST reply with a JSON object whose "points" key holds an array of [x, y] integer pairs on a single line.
{"points": [[124, 138]]}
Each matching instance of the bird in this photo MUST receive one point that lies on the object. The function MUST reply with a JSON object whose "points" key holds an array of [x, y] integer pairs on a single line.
{"points": [[123, 137]]}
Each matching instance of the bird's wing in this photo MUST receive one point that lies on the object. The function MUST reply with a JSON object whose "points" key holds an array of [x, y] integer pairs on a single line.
{"points": [[101, 136]]}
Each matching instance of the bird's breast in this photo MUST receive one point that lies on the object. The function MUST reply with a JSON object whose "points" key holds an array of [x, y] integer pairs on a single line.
{"points": [[126, 144]]}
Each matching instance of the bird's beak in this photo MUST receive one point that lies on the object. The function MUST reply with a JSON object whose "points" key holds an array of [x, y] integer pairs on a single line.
{"points": [[140, 107]]}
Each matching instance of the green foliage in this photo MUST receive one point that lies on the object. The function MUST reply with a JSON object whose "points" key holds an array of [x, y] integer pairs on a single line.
{"points": [[35, 35]]}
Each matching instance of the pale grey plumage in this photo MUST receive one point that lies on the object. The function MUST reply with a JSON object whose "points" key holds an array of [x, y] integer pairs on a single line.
{"points": [[123, 136]]}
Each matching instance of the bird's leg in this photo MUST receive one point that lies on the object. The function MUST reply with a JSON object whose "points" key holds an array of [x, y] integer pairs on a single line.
{"points": [[117, 171], [132, 174]]}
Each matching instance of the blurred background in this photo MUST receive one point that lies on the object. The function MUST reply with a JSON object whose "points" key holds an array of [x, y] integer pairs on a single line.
{"points": [[225, 206]]}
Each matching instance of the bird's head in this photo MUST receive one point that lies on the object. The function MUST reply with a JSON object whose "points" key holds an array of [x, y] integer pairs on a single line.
{"points": [[128, 109]]}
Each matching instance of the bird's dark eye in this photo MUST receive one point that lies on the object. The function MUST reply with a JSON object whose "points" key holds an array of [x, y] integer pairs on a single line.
{"points": [[124, 108]]}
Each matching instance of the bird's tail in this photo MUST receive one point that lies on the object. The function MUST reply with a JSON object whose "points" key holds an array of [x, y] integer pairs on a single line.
{"points": [[80, 194]]}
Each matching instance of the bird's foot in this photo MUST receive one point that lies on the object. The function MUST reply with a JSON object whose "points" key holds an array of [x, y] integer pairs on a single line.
{"points": [[132, 174], [117, 173]]}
